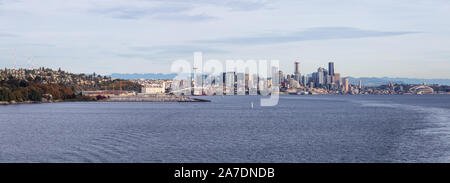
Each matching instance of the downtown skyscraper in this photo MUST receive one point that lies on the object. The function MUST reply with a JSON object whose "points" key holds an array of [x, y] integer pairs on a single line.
{"points": [[331, 68], [297, 75]]}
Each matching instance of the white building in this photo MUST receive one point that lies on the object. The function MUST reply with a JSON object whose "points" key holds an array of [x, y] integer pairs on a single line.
{"points": [[154, 88]]}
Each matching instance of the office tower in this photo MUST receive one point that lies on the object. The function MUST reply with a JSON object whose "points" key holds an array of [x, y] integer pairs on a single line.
{"points": [[247, 81], [297, 67], [331, 73], [315, 78], [320, 76], [229, 83], [253, 84], [329, 80], [297, 75], [346, 85], [304, 80], [292, 83], [360, 84], [300, 79], [281, 75], [240, 83], [337, 79], [275, 77], [331, 68]]}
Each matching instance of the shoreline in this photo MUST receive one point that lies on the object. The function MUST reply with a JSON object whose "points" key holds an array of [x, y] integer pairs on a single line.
{"points": [[156, 98], [37, 102], [117, 99], [176, 99]]}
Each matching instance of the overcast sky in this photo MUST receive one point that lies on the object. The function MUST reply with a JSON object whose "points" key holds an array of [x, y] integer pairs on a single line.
{"points": [[402, 38]]}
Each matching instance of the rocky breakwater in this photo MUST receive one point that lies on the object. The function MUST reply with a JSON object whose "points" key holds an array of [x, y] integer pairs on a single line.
{"points": [[152, 98]]}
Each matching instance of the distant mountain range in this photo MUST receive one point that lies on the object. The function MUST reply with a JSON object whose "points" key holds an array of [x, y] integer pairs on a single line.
{"points": [[143, 76], [367, 81], [372, 81]]}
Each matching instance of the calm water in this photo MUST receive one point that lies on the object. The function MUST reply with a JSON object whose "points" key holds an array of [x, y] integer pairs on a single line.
{"points": [[299, 129]]}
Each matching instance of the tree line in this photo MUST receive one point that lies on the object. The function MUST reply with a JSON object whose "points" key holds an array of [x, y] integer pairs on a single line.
{"points": [[24, 90], [36, 90]]}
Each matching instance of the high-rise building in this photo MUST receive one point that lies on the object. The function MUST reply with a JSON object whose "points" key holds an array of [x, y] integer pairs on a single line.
{"points": [[297, 75], [329, 80], [297, 68], [337, 79], [230, 80], [315, 78], [320, 76], [293, 83], [360, 84], [331, 68], [346, 85], [281, 75], [305, 80]]}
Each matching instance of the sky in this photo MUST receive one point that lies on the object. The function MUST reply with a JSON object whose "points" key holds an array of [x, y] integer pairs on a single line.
{"points": [[365, 38]]}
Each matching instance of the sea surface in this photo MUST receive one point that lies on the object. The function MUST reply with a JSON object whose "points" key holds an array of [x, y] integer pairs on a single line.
{"points": [[299, 129]]}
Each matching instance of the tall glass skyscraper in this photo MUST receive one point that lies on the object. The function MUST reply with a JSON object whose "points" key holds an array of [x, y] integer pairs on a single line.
{"points": [[331, 68]]}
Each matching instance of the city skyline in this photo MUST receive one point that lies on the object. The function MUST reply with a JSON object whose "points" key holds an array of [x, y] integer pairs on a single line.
{"points": [[324, 81], [146, 36]]}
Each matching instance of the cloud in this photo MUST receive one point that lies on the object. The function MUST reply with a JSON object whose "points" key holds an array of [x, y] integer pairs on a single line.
{"points": [[185, 18], [238, 5], [245, 5], [42, 45], [7, 35], [139, 12], [135, 55], [172, 10], [173, 13], [176, 49], [320, 33], [161, 52]]}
